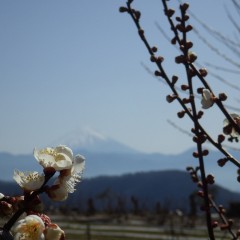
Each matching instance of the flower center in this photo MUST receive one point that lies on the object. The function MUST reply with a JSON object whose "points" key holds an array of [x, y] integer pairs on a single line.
{"points": [[30, 231]]}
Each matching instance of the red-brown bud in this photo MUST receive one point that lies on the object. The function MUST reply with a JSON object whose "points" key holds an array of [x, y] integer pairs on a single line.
{"points": [[224, 226], [154, 49], [215, 224], [221, 138], [189, 44], [210, 179], [184, 87], [169, 12], [158, 73], [200, 193], [141, 32], [195, 154], [174, 79], [222, 96], [221, 162], [192, 57], [170, 98], [188, 28], [184, 6], [203, 72], [160, 59], [200, 90], [186, 100], [181, 114], [153, 58], [180, 59], [174, 41], [205, 152], [137, 14], [123, 9], [200, 114]]}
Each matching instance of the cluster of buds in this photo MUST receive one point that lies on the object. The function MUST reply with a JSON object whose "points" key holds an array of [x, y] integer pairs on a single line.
{"points": [[32, 224]]}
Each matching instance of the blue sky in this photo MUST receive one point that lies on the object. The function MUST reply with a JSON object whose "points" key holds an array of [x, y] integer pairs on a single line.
{"points": [[67, 65]]}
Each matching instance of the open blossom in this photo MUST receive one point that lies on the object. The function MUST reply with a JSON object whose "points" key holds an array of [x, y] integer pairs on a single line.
{"points": [[228, 129], [29, 228], [32, 227], [29, 181], [1, 196], [54, 232], [59, 158], [207, 99], [58, 191], [67, 180], [72, 176]]}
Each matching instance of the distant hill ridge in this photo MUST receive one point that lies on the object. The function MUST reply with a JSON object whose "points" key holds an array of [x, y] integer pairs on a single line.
{"points": [[170, 188], [118, 163]]}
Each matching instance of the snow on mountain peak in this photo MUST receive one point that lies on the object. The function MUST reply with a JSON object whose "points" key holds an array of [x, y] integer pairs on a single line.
{"points": [[84, 137]]}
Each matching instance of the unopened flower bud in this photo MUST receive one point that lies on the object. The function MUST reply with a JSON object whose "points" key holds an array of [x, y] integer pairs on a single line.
{"points": [[160, 59], [169, 12], [221, 162], [157, 73], [224, 226], [195, 154], [205, 152], [180, 59], [192, 57], [200, 90], [181, 114], [153, 58], [186, 100], [188, 28], [141, 32], [137, 14], [200, 114], [174, 79], [123, 9], [178, 19], [154, 49], [221, 138], [170, 98], [210, 179], [189, 44], [184, 6], [222, 96], [200, 193], [184, 87], [180, 28], [221, 209], [185, 17], [174, 41], [215, 224], [192, 72], [203, 72]]}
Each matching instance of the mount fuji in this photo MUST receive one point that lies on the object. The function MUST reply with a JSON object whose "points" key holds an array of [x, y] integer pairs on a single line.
{"points": [[89, 140], [108, 157]]}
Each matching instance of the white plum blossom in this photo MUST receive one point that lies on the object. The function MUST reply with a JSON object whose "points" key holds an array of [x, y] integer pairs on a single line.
{"points": [[58, 191], [29, 181], [29, 228], [54, 232], [59, 158], [1, 196], [207, 99], [67, 180], [228, 129], [72, 176]]}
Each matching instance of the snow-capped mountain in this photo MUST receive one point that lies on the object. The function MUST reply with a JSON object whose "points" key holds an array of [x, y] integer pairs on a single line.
{"points": [[90, 140]]}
